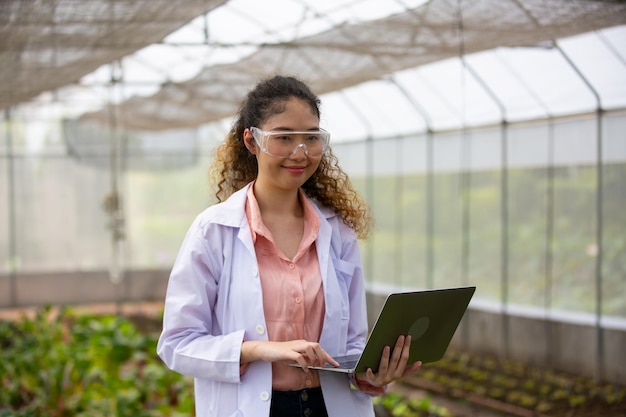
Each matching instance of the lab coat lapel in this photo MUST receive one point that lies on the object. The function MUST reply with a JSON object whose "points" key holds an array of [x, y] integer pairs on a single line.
{"points": [[332, 294]]}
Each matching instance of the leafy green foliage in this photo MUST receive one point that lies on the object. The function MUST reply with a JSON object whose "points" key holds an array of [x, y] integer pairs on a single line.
{"points": [[63, 364], [397, 405]]}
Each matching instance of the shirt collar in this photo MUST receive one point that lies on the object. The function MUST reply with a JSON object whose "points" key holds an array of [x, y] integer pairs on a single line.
{"points": [[257, 227]]}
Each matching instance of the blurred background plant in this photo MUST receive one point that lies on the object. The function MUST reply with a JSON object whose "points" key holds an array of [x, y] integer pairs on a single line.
{"points": [[59, 363]]}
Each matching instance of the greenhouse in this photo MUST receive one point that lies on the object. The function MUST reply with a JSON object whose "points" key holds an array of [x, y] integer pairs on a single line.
{"points": [[487, 136]]}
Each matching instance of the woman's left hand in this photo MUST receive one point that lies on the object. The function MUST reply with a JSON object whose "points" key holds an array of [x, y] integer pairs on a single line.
{"points": [[392, 366]]}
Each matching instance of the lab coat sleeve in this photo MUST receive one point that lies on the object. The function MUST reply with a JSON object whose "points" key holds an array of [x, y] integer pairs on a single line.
{"points": [[191, 342]]}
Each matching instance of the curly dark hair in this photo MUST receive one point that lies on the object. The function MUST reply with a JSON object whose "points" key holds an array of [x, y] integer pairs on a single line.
{"points": [[234, 166]]}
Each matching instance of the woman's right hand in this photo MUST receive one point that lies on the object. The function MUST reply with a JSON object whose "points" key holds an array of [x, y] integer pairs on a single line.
{"points": [[303, 352]]}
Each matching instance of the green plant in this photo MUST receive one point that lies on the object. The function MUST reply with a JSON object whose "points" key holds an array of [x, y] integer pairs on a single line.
{"points": [[400, 406], [62, 364]]}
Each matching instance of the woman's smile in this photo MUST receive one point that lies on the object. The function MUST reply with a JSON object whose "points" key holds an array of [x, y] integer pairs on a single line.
{"points": [[295, 170]]}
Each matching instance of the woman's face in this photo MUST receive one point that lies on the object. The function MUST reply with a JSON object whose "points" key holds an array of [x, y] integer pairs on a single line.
{"points": [[288, 173]]}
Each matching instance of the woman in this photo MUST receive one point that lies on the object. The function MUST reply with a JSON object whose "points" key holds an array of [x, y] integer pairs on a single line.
{"points": [[272, 274]]}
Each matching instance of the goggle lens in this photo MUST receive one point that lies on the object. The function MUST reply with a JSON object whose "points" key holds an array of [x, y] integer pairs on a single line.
{"points": [[283, 144]]}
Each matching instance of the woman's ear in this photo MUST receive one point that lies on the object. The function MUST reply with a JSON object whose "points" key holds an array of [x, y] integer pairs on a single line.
{"points": [[249, 141]]}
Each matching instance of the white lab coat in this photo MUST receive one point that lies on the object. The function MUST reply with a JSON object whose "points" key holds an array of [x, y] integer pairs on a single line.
{"points": [[214, 303]]}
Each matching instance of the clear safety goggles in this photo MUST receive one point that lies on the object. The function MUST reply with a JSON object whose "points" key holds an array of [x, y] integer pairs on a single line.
{"points": [[285, 143]]}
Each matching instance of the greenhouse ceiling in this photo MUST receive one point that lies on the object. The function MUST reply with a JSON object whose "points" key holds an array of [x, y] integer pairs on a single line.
{"points": [[170, 65]]}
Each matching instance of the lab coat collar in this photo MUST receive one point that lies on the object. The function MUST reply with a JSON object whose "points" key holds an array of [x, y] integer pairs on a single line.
{"points": [[232, 211]]}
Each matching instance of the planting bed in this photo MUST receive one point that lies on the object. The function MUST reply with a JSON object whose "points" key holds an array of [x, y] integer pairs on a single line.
{"points": [[517, 389]]}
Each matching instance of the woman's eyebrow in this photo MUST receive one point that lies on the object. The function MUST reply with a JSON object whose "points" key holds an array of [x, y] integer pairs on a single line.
{"points": [[288, 129]]}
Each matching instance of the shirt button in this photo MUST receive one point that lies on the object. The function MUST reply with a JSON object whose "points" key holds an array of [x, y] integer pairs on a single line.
{"points": [[255, 272], [298, 300], [260, 329], [292, 266], [265, 396]]}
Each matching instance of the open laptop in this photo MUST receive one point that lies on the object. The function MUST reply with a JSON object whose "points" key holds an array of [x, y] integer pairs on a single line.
{"points": [[431, 317]]}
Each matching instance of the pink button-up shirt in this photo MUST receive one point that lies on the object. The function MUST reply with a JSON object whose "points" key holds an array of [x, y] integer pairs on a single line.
{"points": [[293, 296]]}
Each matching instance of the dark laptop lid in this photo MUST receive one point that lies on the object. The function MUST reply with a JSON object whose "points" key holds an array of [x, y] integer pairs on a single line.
{"points": [[431, 317]]}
